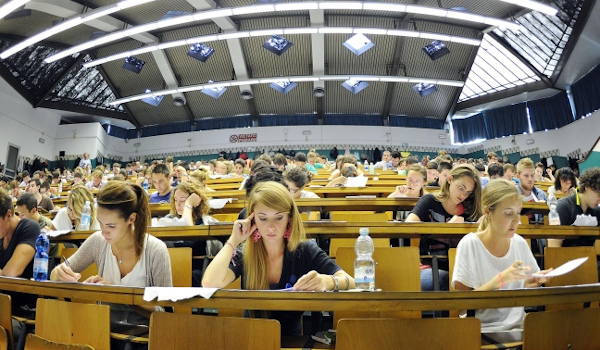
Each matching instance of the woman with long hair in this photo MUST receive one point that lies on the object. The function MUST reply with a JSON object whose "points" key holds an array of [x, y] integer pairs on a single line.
{"points": [[275, 254], [67, 218], [564, 182], [124, 253], [416, 176], [496, 257]]}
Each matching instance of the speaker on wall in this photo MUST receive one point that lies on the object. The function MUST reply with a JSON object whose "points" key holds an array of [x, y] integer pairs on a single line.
{"points": [[61, 153]]}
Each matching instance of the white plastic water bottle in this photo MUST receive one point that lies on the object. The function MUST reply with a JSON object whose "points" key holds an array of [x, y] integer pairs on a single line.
{"points": [[40, 259], [59, 188], [553, 218], [366, 166], [364, 265], [86, 217]]}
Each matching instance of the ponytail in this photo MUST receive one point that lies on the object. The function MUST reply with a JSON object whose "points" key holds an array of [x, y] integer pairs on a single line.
{"points": [[142, 219]]}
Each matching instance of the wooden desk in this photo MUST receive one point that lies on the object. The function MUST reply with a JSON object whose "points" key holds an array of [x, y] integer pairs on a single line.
{"points": [[314, 301], [342, 229]]}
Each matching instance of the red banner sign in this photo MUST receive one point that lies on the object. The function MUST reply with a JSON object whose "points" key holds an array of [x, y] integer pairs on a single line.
{"points": [[243, 138]]}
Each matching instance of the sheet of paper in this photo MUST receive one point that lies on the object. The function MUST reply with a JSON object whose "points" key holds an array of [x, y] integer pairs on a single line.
{"points": [[168, 222], [219, 203], [363, 196], [585, 220], [358, 181], [57, 233], [177, 293], [564, 268]]}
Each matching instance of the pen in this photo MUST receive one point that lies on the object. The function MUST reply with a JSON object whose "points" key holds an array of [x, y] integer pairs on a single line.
{"points": [[67, 262]]}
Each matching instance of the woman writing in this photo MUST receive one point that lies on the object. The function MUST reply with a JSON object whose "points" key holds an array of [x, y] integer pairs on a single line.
{"points": [[68, 217], [564, 183], [496, 257], [124, 253], [276, 256]]}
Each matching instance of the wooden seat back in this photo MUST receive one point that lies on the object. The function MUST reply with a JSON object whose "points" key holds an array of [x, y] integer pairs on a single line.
{"points": [[6, 320], [178, 331], [396, 269], [564, 329], [414, 334], [584, 274], [181, 271], [73, 323], [334, 243], [237, 284], [3, 339], [35, 342]]}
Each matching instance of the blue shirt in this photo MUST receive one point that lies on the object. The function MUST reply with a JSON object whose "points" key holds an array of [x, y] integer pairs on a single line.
{"points": [[157, 198]]}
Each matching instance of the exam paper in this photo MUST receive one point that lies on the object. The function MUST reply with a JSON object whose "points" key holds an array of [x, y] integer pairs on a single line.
{"points": [[564, 268], [57, 233], [358, 181], [218, 203], [177, 293]]}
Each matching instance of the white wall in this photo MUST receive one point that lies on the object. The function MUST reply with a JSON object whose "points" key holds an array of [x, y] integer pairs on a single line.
{"points": [[22, 125]]}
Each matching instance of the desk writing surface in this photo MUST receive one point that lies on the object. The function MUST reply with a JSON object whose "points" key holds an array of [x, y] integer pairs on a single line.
{"points": [[343, 229]]}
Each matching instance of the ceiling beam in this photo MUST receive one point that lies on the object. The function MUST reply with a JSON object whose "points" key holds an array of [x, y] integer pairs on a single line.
{"points": [[235, 51], [15, 83], [317, 19], [462, 76], [582, 19], [539, 85], [69, 107]]}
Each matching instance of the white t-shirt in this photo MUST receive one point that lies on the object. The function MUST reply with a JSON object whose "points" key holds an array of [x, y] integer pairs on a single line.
{"points": [[62, 221], [475, 266], [307, 194]]}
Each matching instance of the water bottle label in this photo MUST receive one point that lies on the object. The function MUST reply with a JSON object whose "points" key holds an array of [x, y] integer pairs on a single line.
{"points": [[40, 269], [364, 275]]}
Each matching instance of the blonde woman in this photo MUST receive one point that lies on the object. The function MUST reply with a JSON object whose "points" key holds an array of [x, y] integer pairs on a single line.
{"points": [[496, 257], [68, 217], [415, 180], [200, 177], [275, 255]]}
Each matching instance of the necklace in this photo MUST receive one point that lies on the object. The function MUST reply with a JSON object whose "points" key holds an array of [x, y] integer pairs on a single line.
{"points": [[120, 260]]}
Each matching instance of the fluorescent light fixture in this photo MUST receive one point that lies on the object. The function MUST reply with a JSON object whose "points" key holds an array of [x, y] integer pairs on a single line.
{"points": [[283, 86], [355, 86], [425, 89], [207, 38], [356, 78], [534, 5], [277, 44], [152, 100], [299, 6], [200, 52], [11, 6], [133, 64], [69, 23], [436, 50], [358, 44], [214, 91]]}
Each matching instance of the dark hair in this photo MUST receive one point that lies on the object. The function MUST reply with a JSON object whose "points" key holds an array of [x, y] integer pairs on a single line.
{"points": [[565, 174], [46, 185], [480, 167], [25, 173], [127, 199], [300, 157], [299, 176], [124, 173], [444, 166], [348, 171], [269, 173], [184, 165], [432, 164], [396, 154], [78, 174], [169, 159], [495, 169], [28, 200], [265, 157], [6, 203], [240, 161], [411, 160], [37, 182], [589, 179], [279, 159], [161, 169], [56, 175]]}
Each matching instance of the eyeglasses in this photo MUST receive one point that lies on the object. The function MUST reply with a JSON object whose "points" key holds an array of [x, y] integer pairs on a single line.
{"points": [[415, 182], [463, 189], [295, 190]]}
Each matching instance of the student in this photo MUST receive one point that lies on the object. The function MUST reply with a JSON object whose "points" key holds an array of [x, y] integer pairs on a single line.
{"points": [[280, 162], [495, 171], [200, 177], [396, 161], [386, 161], [160, 180], [458, 200], [43, 202], [349, 170], [296, 179], [27, 208], [85, 162], [526, 175], [540, 173], [189, 202], [124, 253], [26, 178], [444, 169], [239, 166], [415, 179], [496, 257], [96, 182], [564, 182], [301, 161], [585, 200], [509, 173], [432, 171], [67, 218], [276, 256]]}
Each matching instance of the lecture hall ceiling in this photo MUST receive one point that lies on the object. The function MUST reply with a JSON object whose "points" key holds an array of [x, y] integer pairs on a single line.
{"points": [[509, 63]]}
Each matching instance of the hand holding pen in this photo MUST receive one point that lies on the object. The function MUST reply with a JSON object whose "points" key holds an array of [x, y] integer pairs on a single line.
{"points": [[65, 273]]}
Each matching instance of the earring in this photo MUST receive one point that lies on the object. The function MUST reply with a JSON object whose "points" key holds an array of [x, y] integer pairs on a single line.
{"points": [[256, 236], [288, 232]]}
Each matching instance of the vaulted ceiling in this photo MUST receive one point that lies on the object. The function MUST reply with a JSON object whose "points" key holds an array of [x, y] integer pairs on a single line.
{"points": [[508, 62]]}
